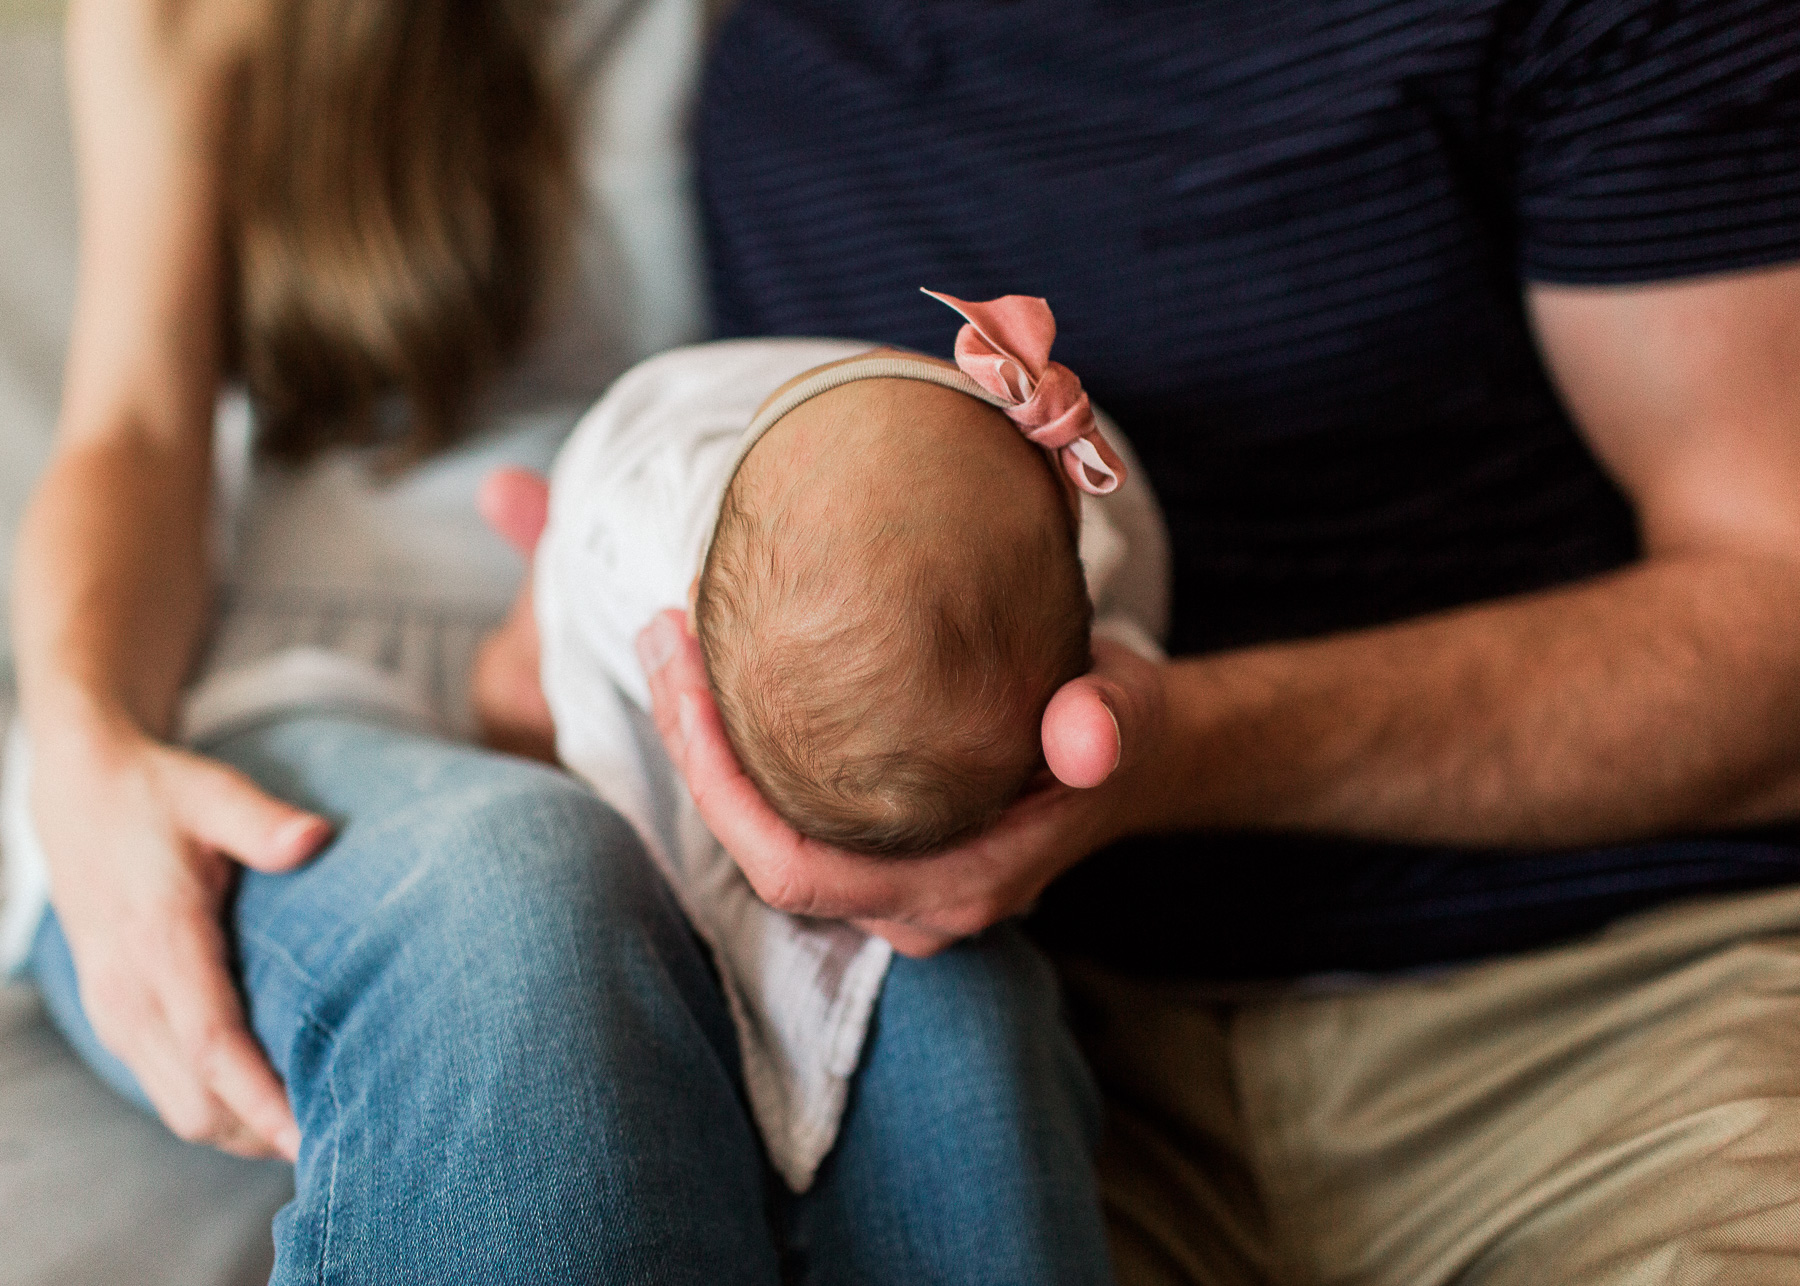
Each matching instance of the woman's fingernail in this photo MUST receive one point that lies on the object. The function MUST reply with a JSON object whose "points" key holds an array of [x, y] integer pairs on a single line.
{"points": [[656, 644], [303, 834]]}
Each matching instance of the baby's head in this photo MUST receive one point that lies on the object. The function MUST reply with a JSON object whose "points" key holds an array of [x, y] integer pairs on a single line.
{"points": [[891, 597]]}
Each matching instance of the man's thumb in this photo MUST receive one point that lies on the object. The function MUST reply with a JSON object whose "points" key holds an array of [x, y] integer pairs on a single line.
{"points": [[1082, 739], [1098, 721]]}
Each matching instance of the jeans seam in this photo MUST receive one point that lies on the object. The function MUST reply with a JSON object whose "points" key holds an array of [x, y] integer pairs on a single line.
{"points": [[337, 1121], [280, 955], [309, 1021]]}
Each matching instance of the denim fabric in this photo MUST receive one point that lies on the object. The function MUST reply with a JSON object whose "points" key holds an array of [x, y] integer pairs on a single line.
{"points": [[511, 1061]]}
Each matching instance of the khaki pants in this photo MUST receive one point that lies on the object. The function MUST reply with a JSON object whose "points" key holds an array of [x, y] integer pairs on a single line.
{"points": [[1621, 1110]]}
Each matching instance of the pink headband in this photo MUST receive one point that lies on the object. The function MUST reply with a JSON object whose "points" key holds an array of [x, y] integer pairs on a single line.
{"points": [[1005, 348], [1003, 359]]}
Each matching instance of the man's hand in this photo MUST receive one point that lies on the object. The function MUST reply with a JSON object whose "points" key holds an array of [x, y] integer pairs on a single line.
{"points": [[144, 845], [1098, 735]]}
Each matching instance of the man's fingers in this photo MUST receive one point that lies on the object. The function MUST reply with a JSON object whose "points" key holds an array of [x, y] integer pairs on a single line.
{"points": [[787, 870], [922, 905], [907, 939], [516, 504], [1132, 688], [226, 812]]}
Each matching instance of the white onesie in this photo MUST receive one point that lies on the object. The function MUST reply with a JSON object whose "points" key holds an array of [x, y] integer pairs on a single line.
{"points": [[633, 498]]}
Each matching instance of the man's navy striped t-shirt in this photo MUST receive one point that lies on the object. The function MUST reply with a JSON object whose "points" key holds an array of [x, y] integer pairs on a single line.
{"points": [[1286, 242]]}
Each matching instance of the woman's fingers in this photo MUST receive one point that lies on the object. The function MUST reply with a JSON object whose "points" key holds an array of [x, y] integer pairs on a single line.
{"points": [[206, 1019], [182, 1099], [225, 812], [144, 844], [159, 998], [194, 1115], [516, 504]]}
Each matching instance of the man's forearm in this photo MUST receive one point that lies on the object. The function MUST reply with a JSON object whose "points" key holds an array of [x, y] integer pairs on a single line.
{"points": [[1662, 698], [111, 586]]}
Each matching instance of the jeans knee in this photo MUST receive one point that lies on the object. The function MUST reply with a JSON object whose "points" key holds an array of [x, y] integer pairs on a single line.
{"points": [[992, 1008], [497, 900], [997, 990], [531, 884], [972, 1090]]}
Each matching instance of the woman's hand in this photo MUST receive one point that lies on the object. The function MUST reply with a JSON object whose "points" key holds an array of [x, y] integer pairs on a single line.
{"points": [[1099, 735], [505, 688], [144, 843]]}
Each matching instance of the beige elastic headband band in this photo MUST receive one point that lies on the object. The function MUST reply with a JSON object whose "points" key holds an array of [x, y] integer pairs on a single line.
{"points": [[858, 368], [848, 372]]}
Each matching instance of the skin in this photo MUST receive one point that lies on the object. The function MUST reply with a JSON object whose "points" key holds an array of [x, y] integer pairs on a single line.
{"points": [[1663, 697], [860, 509], [505, 689], [110, 596], [1660, 697]]}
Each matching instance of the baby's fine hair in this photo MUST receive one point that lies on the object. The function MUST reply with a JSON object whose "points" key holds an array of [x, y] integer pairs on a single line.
{"points": [[886, 696]]}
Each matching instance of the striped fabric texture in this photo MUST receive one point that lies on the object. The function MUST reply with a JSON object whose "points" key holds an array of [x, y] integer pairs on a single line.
{"points": [[1286, 242]]}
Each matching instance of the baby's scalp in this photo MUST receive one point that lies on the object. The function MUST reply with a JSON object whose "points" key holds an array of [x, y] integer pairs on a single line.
{"points": [[891, 597]]}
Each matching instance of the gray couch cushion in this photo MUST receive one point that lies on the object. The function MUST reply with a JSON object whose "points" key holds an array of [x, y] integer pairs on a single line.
{"points": [[93, 1191]]}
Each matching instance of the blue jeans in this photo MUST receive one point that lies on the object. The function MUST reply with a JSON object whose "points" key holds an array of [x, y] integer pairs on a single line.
{"points": [[511, 1061]]}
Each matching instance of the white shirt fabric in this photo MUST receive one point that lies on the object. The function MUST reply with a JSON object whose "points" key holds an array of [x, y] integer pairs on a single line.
{"points": [[634, 495]]}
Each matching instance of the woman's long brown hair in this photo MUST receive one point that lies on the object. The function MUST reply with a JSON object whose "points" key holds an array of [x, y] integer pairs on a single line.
{"points": [[399, 189]]}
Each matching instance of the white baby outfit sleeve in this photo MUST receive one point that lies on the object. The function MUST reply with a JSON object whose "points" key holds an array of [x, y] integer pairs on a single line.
{"points": [[1125, 556]]}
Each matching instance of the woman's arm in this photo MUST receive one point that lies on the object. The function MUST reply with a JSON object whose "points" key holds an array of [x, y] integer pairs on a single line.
{"points": [[1663, 697], [111, 583]]}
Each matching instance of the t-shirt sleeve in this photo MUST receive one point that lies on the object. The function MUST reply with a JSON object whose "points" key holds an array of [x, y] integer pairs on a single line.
{"points": [[1655, 138]]}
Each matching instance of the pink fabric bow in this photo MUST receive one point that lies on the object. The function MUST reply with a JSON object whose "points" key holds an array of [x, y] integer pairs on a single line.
{"points": [[1005, 348]]}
